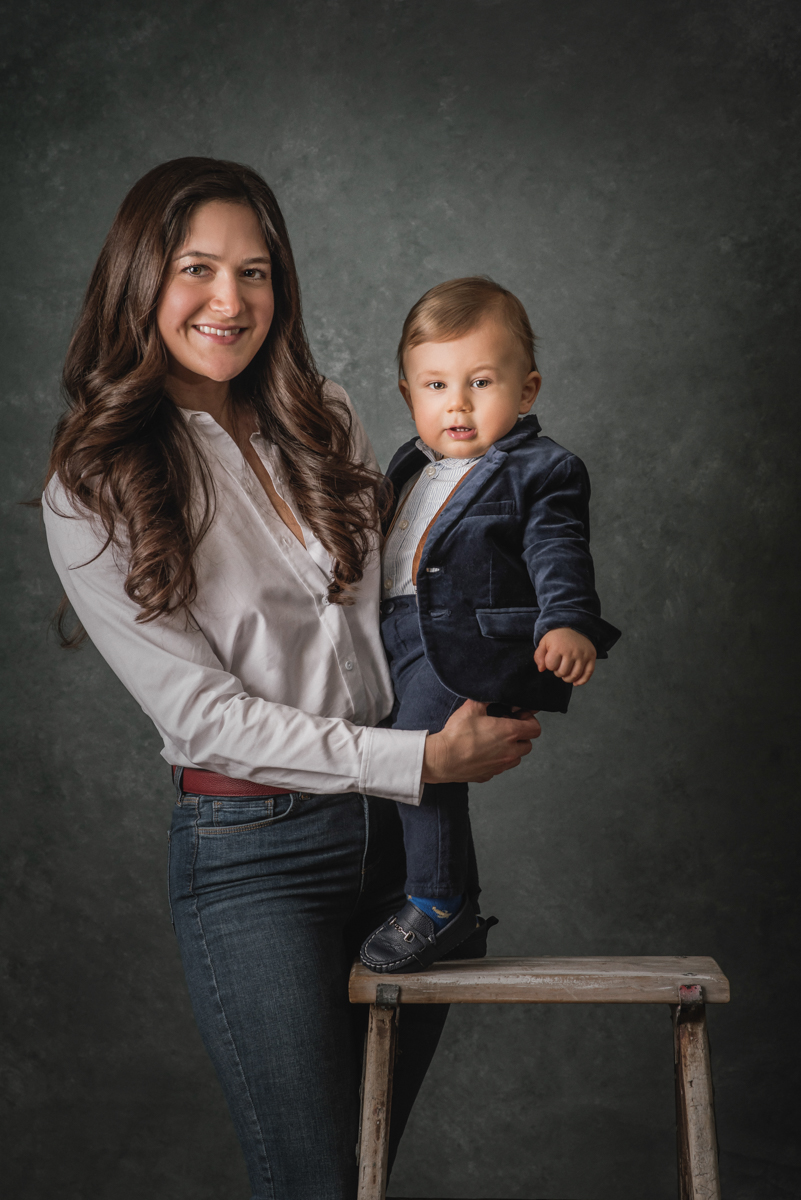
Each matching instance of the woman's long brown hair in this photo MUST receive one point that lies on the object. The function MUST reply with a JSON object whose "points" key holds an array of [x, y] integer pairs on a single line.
{"points": [[122, 450]]}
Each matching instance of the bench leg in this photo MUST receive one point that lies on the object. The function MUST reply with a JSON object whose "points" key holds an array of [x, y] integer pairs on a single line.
{"points": [[695, 1109], [377, 1093]]}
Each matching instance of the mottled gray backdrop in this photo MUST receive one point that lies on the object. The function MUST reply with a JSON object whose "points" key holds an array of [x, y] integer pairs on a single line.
{"points": [[629, 168]]}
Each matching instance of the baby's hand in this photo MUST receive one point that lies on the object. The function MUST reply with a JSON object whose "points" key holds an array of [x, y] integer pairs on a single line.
{"points": [[568, 654]]}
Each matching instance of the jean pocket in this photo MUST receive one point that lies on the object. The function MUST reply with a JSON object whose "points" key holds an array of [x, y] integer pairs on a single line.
{"points": [[245, 814], [408, 641]]}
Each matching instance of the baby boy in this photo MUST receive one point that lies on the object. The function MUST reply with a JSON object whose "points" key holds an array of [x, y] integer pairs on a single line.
{"points": [[486, 560]]}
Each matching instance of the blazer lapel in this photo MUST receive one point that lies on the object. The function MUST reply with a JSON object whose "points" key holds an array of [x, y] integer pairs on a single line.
{"points": [[472, 484], [489, 465]]}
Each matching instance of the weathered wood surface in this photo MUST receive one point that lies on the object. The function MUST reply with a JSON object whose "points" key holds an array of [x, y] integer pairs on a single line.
{"points": [[377, 1102], [550, 981], [695, 1110]]}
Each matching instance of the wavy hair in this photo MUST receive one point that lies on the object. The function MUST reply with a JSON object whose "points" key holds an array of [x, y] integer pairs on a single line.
{"points": [[122, 450]]}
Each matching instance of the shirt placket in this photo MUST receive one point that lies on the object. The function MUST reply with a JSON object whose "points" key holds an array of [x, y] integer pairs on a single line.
{"points": [[441, 474], [306, 561], [392, 565], [309, 573]]}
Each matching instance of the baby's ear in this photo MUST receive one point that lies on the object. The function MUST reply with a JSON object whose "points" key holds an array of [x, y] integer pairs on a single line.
{"points": [[405, 391], [531, 386]]}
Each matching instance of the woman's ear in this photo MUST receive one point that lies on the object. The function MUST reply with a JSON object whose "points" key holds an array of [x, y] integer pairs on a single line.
{"points": [[531, 386]]}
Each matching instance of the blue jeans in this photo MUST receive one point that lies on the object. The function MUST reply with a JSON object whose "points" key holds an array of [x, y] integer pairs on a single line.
{"points": [[271, 898], [440, 860]]}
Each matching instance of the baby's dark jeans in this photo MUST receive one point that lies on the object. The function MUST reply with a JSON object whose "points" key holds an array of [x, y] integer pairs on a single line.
{"points": [[440, 860]]}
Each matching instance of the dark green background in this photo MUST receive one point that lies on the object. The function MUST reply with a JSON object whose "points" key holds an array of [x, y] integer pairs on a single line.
{"points": [[630, 170]]}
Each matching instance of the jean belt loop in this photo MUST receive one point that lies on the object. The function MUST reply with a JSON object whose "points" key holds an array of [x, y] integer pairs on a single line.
{"points": [[177, 778]]}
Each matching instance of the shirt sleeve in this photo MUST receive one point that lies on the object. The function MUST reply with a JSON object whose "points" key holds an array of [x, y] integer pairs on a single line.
{"points": [[557, 555], [201, 710]]}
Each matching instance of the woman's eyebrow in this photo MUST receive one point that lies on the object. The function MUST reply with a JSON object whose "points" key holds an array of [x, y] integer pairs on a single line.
{"points": [[197, 254], [260, 258]]}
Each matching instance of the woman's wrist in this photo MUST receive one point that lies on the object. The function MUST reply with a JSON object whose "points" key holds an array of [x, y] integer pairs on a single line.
{"points": [[433, 759]]}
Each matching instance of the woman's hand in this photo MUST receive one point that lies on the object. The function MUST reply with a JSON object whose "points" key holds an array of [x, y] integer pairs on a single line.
{"points": [[473, 747]]}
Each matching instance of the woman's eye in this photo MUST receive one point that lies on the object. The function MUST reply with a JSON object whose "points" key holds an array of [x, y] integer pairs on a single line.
{"points": [[195, 270], [254, 273]]}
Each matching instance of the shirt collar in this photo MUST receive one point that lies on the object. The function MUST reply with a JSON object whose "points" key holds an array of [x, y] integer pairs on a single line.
{"points": [[200, 416], [437, 458]]}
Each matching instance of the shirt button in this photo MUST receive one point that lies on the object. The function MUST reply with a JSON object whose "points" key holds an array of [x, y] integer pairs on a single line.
{"points": [[431, 471], [403, 525], [348, 665], [387, 584], [326, 600]]}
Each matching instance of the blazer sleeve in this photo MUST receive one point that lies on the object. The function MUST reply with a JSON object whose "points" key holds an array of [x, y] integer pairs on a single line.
{"points": [[557, 556]]}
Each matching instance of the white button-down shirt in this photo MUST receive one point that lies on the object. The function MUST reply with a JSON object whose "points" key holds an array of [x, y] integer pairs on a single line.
{"points": [[419, 500], [268, 682]]}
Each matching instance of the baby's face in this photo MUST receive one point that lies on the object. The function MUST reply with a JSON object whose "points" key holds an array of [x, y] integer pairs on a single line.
{"points": [[467, 393]]}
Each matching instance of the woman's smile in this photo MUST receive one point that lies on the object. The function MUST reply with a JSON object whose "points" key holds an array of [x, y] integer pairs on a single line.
{"points": [[229, 334]]}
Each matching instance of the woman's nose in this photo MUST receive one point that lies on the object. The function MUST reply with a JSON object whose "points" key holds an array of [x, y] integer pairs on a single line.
{"points": [[227, 298]]}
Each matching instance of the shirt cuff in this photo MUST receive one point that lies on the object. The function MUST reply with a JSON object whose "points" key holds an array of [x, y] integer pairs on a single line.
{"points": [[392, 764]]}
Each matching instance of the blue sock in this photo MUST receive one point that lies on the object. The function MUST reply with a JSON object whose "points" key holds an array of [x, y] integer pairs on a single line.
{"points": [[441, 909]]}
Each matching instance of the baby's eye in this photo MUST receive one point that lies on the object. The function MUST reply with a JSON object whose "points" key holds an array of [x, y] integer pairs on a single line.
{"points": [[481, 383], [437, 385]]}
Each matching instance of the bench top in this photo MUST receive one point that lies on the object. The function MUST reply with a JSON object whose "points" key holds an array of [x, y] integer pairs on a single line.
{"points": [[549, 981]]}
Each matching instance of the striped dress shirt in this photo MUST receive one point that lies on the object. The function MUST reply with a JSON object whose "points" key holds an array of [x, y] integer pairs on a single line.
{"points": [[418, 502]]}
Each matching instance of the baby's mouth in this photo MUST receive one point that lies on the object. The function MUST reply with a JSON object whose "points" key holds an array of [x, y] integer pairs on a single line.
{"points": [[463, 432]]}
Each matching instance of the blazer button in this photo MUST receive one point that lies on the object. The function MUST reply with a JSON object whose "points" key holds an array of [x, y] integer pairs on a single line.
{"points": [[348, 665]]}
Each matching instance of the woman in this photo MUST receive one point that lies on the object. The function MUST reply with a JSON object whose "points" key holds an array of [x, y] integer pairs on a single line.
{"points": [[211, 510]]}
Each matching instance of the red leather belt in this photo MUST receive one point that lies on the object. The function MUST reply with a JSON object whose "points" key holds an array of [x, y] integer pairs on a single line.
{"points": [[209, 783]]}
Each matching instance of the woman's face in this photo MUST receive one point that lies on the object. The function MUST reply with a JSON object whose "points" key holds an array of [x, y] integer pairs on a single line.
{"points": [[217, 304]]}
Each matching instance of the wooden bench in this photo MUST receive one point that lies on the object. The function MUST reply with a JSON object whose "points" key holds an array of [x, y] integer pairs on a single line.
{"points": [[686, 984]]}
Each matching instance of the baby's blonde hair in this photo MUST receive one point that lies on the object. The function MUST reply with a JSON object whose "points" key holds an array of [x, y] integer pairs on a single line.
{"points": [[452, 309]]}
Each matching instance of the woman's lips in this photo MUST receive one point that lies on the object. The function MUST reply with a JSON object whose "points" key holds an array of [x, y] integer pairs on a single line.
{"points": [[461, 433], [220, 334]]}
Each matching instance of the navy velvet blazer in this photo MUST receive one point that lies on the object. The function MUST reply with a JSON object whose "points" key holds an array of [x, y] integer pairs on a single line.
{"points": [[507, 560]]}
